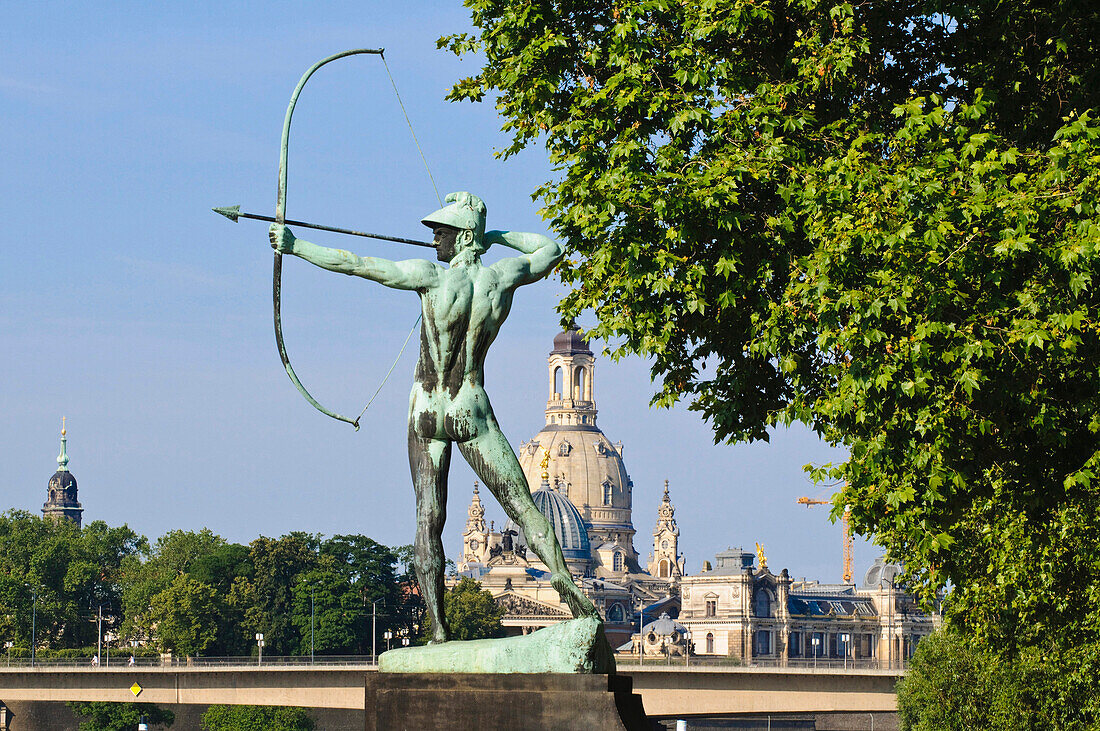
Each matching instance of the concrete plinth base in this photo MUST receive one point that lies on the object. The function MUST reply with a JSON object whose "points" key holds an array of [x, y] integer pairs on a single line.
{"points": [[504, 702]]}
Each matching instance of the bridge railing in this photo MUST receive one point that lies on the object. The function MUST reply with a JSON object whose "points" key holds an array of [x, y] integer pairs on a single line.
{"points": [[123, 662]]}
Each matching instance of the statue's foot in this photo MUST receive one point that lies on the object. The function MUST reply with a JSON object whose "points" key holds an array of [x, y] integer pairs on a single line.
{"points": [[574, 598]]}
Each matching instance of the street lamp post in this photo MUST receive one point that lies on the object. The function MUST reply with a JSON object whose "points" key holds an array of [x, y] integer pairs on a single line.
{"points": [[99, 635], [815, 641], [687, 648], [845, 638], [388, 636], [260, 645], [8, 646], [34, 618], [312, 615]]}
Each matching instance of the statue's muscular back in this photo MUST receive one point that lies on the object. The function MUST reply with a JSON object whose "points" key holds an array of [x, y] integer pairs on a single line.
{"points": [[463, 309]]}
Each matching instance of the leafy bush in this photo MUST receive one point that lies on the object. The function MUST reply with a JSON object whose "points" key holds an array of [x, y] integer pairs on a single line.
{"points": [[103, 716], [256, 718]]}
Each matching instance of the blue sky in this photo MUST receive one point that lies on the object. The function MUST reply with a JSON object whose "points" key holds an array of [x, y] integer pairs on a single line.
{"points": [[128, 306]]}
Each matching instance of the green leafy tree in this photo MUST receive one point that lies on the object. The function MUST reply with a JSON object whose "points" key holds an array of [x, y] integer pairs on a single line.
{"points": [[104, 716], [171, 556], [185, 616], [878, 219], [278, 565], [953, 685], [72, 572], [226, 569], [326, 602], [471, 612], [256, 718]]}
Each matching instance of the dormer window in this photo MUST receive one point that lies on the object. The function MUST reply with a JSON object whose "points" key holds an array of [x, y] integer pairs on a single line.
{"points": [[564, 449]]}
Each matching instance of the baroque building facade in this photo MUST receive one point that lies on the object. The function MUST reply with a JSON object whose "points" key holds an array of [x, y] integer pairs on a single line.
{"points": [[580, 482], [740, 609]]}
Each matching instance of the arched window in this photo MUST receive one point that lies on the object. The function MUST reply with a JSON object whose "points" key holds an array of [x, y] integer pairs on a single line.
{"points": [[617, 562], [608, 491], [578, 383], [710, 643], [616, 614], [564, 448], [662, 569], [557, 382], [762, 603]]}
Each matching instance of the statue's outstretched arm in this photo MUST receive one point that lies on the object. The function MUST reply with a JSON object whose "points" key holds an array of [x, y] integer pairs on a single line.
{"points": [[409, 274], [542, 255]]}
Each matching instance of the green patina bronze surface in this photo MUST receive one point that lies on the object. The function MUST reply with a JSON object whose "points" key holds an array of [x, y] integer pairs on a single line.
{"points": [[577, 646], [463, 306]]}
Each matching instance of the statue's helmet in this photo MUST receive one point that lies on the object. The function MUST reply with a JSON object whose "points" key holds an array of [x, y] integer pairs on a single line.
{"points": [[465, 212]]}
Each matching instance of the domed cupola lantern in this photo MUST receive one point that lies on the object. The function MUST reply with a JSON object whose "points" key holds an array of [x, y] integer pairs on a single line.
{"points": [[61, 502]]}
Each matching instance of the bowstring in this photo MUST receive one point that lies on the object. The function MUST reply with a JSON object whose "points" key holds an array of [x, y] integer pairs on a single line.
{"points": [[439, 198], [411, 130]]}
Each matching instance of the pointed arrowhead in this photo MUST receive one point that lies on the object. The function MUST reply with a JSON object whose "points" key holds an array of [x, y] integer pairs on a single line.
{"points": [[230, 212]]}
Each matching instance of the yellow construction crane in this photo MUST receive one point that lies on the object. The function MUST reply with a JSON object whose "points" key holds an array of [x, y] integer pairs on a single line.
{"points": [[847, 535]]}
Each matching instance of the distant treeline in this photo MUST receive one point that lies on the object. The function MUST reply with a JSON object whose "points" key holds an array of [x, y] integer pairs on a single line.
{"points": [[195, 593]]}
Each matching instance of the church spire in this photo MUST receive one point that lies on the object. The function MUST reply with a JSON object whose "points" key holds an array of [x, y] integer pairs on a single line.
{"points": [[667, 561], [63, 457], [61, 500]]}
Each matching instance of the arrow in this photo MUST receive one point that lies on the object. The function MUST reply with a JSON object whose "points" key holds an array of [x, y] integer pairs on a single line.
{"points": [[234, 212]]}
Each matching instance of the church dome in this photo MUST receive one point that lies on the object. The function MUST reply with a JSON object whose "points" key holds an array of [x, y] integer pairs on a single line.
{"points": [[566, 521], [62, 480], [881, 571], [570, 342]]}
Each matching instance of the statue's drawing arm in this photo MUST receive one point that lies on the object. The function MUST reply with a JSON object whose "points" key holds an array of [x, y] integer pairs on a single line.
{"points": [[408, 274], [542, 255]]}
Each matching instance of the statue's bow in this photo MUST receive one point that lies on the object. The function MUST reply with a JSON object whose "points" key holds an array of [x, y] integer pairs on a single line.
{"points": [[280, 217]]}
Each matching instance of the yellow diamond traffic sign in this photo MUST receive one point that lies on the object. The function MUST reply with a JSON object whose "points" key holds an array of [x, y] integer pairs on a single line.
{"points": [[136, 689]]}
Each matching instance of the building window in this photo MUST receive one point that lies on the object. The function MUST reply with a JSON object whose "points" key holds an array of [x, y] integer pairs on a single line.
{"points": [[867, 646], [794, 645], [608, 489], [710, 643], [762, 603], [664, 545], [617, 562], [557, 383], [616, 614], [564, 448], [712, 608], [662, 569], [763, 644]]}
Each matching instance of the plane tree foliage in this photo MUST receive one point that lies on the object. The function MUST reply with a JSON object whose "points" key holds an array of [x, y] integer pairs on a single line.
{"points": [[62, 575], [878, 219]]}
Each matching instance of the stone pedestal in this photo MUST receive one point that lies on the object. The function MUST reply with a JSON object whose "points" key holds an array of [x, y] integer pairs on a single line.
{"points": [[504, 702]]}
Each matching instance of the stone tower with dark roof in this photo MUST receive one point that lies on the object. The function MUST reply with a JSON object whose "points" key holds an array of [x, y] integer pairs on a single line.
{"points": [[61, 502]]}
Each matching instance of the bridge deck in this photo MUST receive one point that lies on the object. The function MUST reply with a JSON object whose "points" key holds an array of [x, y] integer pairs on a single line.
{"points": [[665, 691]]}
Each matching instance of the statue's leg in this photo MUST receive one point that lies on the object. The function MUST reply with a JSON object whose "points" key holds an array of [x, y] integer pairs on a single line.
{"points": [[491, 457], [429, 460]]}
